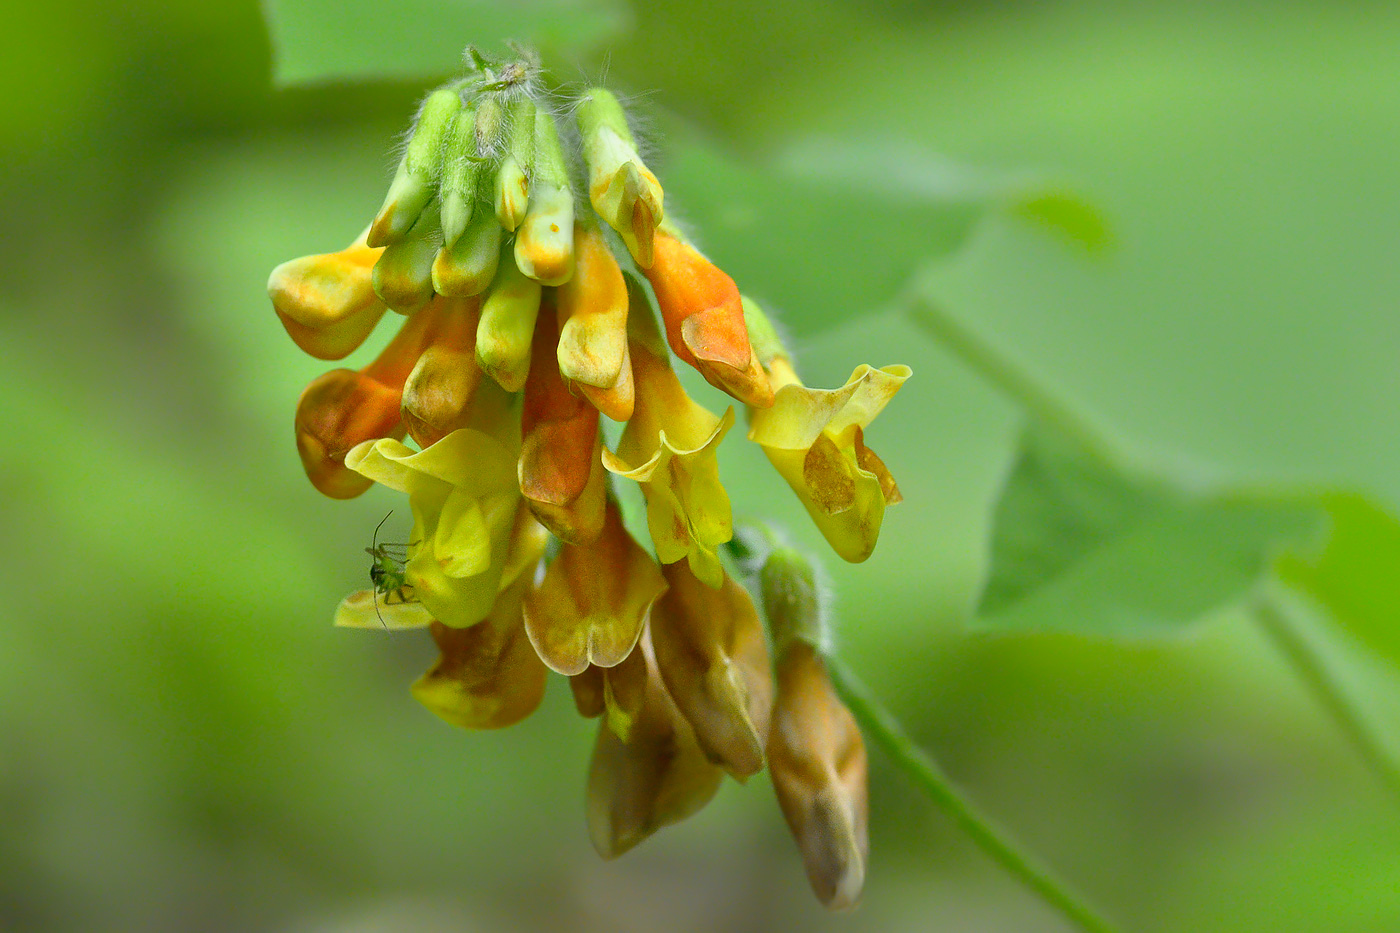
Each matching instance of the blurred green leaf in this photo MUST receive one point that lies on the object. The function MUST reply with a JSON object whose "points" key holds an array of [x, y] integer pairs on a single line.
{"points": [[1356, 575], [320, 40], [830, 231], [1081, 546], [1069, 215]]}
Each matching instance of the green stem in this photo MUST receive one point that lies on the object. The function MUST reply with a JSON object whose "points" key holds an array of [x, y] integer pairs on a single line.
{"points": [[1011, 378], [1281, 623], [880, 726]]}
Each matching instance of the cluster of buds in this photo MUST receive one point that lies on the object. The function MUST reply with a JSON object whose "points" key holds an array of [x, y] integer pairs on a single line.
{"points": [[530, 315]]}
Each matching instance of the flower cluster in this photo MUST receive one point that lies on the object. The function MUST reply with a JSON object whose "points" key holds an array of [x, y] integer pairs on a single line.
{"points": [[530, 314]]}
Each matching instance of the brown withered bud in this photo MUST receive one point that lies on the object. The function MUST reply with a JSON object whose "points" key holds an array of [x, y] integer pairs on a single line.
{"points": [[817, 760], [593, 601], [656, 776], [561, 466], [713, 657], [487, 675], [438, 393]]}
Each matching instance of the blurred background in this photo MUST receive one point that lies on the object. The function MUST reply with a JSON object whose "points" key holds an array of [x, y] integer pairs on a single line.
{"points": [[187, 744]]}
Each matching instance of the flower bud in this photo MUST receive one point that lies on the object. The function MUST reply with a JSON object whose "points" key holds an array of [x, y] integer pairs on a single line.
{"points": [[561, 470], [792, 599], [593, 314], [587, 688], [593, 601], [513, 177], [712, 656], [403, 276], [544, 244], [337, 411], [467, 267], [344, 408], [438, 392], [623, 191], [704, 317], [460, 168], [487, 676], [507, 325], [412, 187], [327, 303], [654, 777], [817, 760]]}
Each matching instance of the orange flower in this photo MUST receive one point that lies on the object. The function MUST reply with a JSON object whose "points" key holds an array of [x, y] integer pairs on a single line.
{"points": [[704, 318], [593, 601]]}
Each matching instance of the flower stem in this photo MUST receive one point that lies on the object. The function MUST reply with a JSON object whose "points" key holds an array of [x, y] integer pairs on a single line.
{"points": [[1280, 622], [1011, 378], [880, 726]]}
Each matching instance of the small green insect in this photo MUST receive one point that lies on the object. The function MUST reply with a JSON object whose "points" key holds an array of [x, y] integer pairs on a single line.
{"points": [[387, 571]]}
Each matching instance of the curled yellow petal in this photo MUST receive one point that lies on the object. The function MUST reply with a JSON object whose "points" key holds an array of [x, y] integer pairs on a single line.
{"points": [[670, 449], [815, 439], [392, 611]]}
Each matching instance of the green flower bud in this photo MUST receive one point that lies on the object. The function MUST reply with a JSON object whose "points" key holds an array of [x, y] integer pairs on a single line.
{"points": [[468, 265], [460, 167], [412, 187], [544, 245], [792, 599], [513, 177], [507, 326], [403, 276], [621, 188]]}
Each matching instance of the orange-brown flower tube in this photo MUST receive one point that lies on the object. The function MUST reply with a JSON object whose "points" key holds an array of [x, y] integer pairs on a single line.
{"points": [[704, 318]]}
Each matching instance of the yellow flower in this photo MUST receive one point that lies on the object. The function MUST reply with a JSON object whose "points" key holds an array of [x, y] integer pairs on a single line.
{"points": [[593, 308], [670, 448], [816, 440], [463, 494]]}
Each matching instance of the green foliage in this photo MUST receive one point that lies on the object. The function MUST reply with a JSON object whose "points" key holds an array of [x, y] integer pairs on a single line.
{"points": [[332, 40], [834, 231], [1082, 545], [1356, 576]]}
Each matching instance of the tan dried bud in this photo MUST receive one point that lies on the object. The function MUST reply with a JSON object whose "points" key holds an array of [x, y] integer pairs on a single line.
{"points": [[817, 759], [712, 655], [656, 776]]}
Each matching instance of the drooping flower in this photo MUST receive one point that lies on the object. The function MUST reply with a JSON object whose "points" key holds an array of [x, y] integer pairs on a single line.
{"points": [[669, 448], [593, 601], [327, 302], [655, 776], [593, 305], [713, 658], [704, 317], [815, 438], [561, 468], [463, 494]]}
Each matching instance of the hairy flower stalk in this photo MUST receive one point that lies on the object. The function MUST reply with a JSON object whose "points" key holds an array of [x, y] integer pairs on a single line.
{"points": [[545, 288]]}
